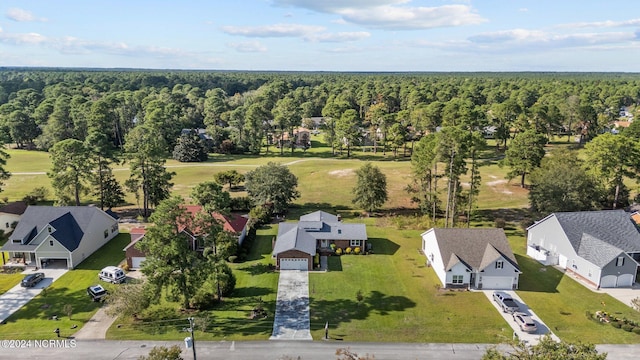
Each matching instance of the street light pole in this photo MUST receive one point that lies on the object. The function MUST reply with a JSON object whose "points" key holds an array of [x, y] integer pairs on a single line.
{"points": [[193, 339]]}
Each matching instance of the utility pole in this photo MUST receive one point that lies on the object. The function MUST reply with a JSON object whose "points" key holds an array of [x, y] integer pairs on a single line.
{"points": [[193, 339]]}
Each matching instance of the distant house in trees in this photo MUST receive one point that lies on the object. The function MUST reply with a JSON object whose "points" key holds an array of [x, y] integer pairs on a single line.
{"points": [[234, 223], [201, 133], [301, 138]]}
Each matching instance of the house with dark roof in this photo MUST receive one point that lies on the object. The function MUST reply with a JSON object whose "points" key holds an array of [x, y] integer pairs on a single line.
{"points": [[10, 214], [601, 248], [61, 236], [478, 258], [297, 243], [233, 223]]}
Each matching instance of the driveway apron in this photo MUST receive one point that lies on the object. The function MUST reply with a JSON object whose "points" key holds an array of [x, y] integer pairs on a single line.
{"points": [[292, 307], [529, 338], [18, 296]]}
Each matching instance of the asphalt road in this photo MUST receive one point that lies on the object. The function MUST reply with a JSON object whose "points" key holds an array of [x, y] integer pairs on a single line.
{"points": [[272, 350]]}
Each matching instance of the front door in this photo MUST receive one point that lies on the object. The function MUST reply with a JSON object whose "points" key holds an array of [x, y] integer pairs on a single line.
{"points": [[324, 243]]}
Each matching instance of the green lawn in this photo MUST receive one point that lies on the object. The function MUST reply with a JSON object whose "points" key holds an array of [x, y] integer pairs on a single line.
{"points": [[7, 281], [33, 320]]}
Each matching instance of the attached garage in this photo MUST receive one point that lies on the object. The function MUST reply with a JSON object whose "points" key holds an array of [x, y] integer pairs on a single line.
{"points": [[612, 281], [136, 262], [54, 263], [497, 282], [294, 264]]}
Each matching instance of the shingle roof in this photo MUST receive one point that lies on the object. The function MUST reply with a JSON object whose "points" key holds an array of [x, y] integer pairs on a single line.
{"points": [[304, 234], [15, 208], [70, 221], [476, 248], [613, 227]]}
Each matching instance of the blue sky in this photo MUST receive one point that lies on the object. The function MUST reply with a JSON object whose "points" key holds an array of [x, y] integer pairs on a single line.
{"points": [[324, 35]]}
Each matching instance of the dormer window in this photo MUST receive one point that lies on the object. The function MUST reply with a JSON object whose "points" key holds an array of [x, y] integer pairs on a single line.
{"points": [[49, 229], [499, 264]]}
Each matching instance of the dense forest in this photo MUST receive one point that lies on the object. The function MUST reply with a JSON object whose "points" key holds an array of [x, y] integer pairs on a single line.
{"points": [[139, 115]]}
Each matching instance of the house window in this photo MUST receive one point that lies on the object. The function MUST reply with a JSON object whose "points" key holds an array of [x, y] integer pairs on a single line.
{"points": [[50, 242], [106, 233], [114, 228], [354, 243], [7, 225], [499, 264], [49, 228], [620, 261], [457, 279]]}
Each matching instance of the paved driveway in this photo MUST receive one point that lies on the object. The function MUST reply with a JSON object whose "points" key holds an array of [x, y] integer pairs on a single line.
{"points": [[532, 338], [624, 295], [292, 307], [18, 296]]}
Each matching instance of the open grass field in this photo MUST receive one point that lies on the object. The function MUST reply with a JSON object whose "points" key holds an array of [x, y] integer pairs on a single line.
{"points": [[7, 281], [33, 320]]}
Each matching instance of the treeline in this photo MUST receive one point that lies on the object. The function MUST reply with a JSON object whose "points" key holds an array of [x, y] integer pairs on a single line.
{"points": [[116, 114]]}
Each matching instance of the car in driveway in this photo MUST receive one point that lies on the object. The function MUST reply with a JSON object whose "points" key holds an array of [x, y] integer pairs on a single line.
{"points": [[97, 292], [525, 322], [32, 279], [505, 302]]}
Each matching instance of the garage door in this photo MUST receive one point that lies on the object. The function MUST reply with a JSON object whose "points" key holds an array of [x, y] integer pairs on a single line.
{"points": [[497, 282], [625, 280], [136, 262], [49, 263], [608, 281], [294, 264]]}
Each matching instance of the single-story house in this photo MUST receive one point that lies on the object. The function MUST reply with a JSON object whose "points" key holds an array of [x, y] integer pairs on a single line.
{"points": [[297, 243], [10, 215], [234, 223], [64, 236], [479, 258], [602, 248]]}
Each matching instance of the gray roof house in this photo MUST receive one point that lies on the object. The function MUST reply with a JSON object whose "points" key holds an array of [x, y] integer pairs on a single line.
{"points": [[61, 236], [297, 243], [479, 258], [601, 248]]}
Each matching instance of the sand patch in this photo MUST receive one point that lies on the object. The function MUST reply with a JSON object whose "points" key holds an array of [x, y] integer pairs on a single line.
{"points": [[341, 173], [496, 182]]}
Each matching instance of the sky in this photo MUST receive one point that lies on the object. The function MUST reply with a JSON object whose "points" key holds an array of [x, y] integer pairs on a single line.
{"points": [[324, 35]]}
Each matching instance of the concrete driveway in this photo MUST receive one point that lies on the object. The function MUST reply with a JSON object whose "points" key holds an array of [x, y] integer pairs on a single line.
{"points": [[624, 295], [529, 338], [18, 296], [292, 307]]}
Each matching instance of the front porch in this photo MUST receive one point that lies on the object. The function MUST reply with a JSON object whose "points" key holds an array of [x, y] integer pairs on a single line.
{"points": [[22, 259]]}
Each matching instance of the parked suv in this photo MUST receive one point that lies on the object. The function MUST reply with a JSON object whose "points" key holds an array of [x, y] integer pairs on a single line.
{"points": [[97, 292], [506, 303], [32, 279]]}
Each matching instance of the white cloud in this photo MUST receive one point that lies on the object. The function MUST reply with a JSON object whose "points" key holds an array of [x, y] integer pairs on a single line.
{"points": [[602, 24], [391, 14], [338, 37], [409, 18], [248, 47], [521, 37], [22, 38], [276, 30], [22, 15]]}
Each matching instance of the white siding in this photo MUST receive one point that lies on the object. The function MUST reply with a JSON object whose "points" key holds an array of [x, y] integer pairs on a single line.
{"points": [[94, 236], [432, 252]]}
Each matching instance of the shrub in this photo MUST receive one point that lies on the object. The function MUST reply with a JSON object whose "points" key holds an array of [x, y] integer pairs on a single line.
{"points": [[125, 267], [348, 250], [627, 327], [232, 258], [357, 250], [500, 223], [636, 330], [616, 324], [338, 251]]}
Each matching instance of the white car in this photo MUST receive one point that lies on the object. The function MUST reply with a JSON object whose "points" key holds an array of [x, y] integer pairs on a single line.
{"points": [[525, 322]]}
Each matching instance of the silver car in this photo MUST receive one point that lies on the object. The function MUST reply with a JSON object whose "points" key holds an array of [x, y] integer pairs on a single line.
{"points": [[525, 322]]}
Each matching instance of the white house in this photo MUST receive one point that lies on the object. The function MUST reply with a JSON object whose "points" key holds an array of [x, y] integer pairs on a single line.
{"points": [[479, 258], [10, 214], [64, 236], [602, 248]]}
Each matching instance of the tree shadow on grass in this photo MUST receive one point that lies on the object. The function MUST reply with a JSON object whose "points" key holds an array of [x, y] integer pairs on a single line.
{"points": [[248, 292], [383, 246], [537, 277], [345, 310], [334, 263], [257, 269]]}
